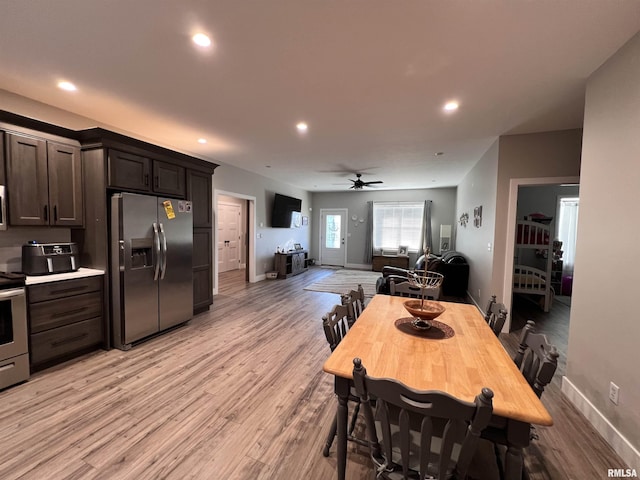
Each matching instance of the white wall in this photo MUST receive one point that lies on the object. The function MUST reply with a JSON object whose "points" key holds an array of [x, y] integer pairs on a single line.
{"points": [[605, 329]]}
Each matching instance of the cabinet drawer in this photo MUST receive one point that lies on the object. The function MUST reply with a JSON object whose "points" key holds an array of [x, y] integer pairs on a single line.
{"points": [[62, 341], [64, 311], [53, 290]]}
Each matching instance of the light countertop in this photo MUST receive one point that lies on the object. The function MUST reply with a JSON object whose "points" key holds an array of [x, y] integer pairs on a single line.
{"points": [[57, 277]]}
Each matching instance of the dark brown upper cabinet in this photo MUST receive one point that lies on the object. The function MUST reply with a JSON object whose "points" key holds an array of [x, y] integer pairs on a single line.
{"points": [[128, 171], [44, 182], [199, 192], [168, 179]]}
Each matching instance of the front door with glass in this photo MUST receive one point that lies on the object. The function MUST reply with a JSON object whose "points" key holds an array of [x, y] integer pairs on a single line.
{"points": [[333, 237]]}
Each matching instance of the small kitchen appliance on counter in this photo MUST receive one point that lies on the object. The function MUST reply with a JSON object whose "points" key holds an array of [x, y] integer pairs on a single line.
{"points": [[47, 258]]}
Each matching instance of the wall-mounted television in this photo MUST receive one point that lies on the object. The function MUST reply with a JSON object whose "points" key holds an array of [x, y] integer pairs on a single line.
{"points": [[283, 207]]}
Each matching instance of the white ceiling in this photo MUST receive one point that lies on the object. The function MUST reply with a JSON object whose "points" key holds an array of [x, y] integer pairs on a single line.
{"points": [[370, 77]]}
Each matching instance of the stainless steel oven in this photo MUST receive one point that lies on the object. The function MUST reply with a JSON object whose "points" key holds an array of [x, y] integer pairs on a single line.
{"points": [[14, 351]]}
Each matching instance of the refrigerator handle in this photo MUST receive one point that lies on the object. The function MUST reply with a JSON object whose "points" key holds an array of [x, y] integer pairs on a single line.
{"points": [[163, 268], [156, 243]]}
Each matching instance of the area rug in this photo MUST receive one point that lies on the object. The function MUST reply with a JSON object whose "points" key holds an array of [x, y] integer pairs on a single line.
{"points": [[342, 281]]}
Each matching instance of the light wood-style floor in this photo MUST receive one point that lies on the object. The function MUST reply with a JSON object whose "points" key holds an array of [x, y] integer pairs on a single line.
{"points": [[237, 393]]}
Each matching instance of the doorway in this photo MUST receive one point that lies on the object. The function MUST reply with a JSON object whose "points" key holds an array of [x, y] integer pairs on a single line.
{"points": [[333, 237], [534, 196], [234, 235], [230, 235]]}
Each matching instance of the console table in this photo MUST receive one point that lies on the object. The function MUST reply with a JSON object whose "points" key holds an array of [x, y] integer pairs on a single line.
{"points": [[380, 261], [291, 263]]}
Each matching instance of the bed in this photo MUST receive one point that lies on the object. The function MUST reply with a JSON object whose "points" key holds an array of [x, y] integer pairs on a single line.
{"points": [[533, 259]]}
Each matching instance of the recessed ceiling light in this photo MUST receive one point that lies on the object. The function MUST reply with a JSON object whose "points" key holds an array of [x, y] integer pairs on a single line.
{"points": [[302, 127], [202, 140], [439, 154], [68, 86], [201, 39], [451, 106]]}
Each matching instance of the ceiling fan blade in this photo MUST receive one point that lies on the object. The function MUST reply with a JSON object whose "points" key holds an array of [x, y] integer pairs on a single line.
{"points": [[375, 181]]}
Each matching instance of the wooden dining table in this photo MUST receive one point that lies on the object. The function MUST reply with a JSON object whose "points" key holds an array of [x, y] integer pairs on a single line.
{"points": [[460, 357]]}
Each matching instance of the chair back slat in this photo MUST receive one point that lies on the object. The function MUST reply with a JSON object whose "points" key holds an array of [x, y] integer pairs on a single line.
{"points": [[431, 415]]}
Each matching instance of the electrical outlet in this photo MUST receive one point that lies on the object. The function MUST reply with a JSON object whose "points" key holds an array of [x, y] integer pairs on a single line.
{"points": [[614, 393]]}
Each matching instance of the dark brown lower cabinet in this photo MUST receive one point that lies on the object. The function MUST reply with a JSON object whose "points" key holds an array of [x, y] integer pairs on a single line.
{"points": [[65, 320]]}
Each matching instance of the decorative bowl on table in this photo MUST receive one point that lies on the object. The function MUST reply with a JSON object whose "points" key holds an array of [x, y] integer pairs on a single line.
{"points": [[423, 311]]}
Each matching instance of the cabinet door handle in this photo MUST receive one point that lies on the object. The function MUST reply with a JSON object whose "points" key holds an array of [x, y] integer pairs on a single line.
{"points": [[156, 181], [146, 179], [46, 213], [55, 213]]}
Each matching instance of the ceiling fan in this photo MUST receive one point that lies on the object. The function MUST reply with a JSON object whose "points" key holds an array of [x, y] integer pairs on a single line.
{"points": [[359, 184]]}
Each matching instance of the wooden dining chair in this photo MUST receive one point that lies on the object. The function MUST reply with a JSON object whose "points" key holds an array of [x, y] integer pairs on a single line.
{"points": [[487, 312], [497, 317], [417, 434], [336, 325], [538, 362], [536, 358], [405, 289], [355, 301]]}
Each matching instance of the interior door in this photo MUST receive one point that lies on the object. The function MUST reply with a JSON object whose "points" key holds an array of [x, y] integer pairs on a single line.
{"points": [[228, 237], [333, 237]]}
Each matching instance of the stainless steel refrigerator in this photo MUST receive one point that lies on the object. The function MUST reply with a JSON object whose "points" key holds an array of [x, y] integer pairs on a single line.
{"points": [[151, 266]]}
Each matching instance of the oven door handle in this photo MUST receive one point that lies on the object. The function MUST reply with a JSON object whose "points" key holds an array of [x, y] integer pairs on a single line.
{"points": [[14, 292]]}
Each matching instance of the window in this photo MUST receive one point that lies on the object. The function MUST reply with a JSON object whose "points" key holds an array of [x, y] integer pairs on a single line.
{"points": [[397, 223], [567, 230]]}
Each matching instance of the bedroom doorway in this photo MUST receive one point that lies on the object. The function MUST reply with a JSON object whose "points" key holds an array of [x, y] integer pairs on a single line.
{"points": [[541, 199]]}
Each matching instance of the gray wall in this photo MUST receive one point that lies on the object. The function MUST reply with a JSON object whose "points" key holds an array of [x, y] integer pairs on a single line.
{"points": [[476, 189], [543, 199], [442, 212], [535, 155], [235, 180], [604, 330]]}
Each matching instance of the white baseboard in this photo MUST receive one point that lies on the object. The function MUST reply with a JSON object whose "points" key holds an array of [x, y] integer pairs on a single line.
{"points": [[629, 454], [259, 278]]}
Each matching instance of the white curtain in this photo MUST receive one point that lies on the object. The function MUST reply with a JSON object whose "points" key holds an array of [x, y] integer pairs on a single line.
{"points": [[567, 231]]}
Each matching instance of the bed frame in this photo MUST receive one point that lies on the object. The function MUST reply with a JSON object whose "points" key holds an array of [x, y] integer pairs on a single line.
{"points": [[533, 241]]}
